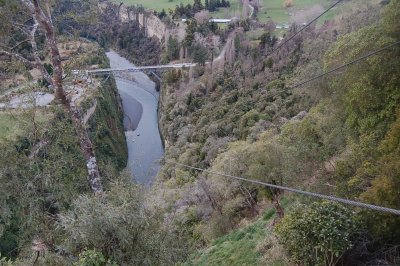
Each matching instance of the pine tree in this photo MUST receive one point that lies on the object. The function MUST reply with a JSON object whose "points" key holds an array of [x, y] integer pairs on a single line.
{"points": [[197, 6]]}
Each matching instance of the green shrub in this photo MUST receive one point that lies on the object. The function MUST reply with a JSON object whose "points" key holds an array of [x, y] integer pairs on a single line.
{"points": [[93, 258], [319, 234]]}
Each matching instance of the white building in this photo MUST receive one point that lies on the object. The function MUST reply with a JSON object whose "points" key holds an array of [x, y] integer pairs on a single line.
{"points": [[220, 20]]}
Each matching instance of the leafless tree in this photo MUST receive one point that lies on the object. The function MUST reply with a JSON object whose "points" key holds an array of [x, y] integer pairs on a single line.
{"points": [[41, 15]]}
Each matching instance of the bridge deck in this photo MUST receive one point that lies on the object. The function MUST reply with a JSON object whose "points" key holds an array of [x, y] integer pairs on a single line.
{"points": [[132, 69]]}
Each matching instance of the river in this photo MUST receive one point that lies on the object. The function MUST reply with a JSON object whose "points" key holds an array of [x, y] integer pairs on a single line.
{"points": [[140, 101]]}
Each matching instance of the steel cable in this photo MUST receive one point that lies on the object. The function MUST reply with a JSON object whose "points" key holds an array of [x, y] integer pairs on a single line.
{"points": [[347, 64], [312, 194]]}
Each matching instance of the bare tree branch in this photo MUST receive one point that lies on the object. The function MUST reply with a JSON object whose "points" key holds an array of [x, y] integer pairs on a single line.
{"points": [[30, 31], [47, 5], [15, 46], [16, 56], [35, 53]]}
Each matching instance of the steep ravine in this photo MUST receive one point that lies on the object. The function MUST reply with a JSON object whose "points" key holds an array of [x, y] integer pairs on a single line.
{"points": [[140, 101]]}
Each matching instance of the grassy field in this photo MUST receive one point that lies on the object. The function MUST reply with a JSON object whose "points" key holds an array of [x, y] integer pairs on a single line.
{"points": [[158, 5], [274, 9], [271, 9], [301, 11], [235, 10]]}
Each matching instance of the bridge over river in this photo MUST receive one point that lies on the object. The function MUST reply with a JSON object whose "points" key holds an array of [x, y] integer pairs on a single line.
{"points": [[140, 104], [108, 71]]}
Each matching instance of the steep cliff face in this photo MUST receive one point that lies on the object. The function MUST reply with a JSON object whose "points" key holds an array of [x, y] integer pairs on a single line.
{"points": [[152, 25], [100, 105]]}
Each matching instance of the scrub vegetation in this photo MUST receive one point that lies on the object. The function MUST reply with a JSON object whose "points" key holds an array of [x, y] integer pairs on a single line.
{"points": [[238, 112]]}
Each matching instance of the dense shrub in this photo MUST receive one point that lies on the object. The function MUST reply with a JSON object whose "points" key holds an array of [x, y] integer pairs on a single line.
{"points": [[319, 234]]}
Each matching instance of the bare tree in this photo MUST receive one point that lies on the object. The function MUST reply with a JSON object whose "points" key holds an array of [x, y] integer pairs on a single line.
{"points": [[42, 17], [28, 30]]}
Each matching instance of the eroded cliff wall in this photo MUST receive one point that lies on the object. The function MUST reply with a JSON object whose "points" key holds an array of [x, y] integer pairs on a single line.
{"points": [[152, 25]]}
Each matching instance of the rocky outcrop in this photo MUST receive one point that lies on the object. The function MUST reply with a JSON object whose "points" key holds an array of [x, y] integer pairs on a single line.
{"points": [[152, 25]]}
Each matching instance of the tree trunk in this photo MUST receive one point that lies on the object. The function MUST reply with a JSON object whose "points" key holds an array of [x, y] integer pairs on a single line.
{"points": [[84, 140], [213, 202], [278, 208], [38, 62]]}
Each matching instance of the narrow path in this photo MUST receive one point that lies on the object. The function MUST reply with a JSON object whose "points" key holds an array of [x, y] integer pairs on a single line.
{"points": [[221, 55]]}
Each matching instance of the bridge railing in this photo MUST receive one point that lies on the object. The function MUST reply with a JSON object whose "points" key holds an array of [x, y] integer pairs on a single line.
{"points": [[132, 69]]}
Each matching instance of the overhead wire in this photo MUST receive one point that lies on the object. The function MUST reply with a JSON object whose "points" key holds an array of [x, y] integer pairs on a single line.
{"points": [[307, 193], [313, 194], [347, 64], [301, 83], [294, 35], [294, 190]]}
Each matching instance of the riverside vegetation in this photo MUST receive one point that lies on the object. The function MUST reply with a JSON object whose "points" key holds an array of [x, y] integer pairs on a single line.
{"points": [[339, 135]]}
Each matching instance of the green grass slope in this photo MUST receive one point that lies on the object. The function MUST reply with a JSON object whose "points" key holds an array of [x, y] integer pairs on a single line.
{"points": [[8, 125], [247, 245]]}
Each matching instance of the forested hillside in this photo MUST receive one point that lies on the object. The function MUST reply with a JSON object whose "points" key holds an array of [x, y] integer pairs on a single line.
{"points": [[261, 104], [335, 135]]}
